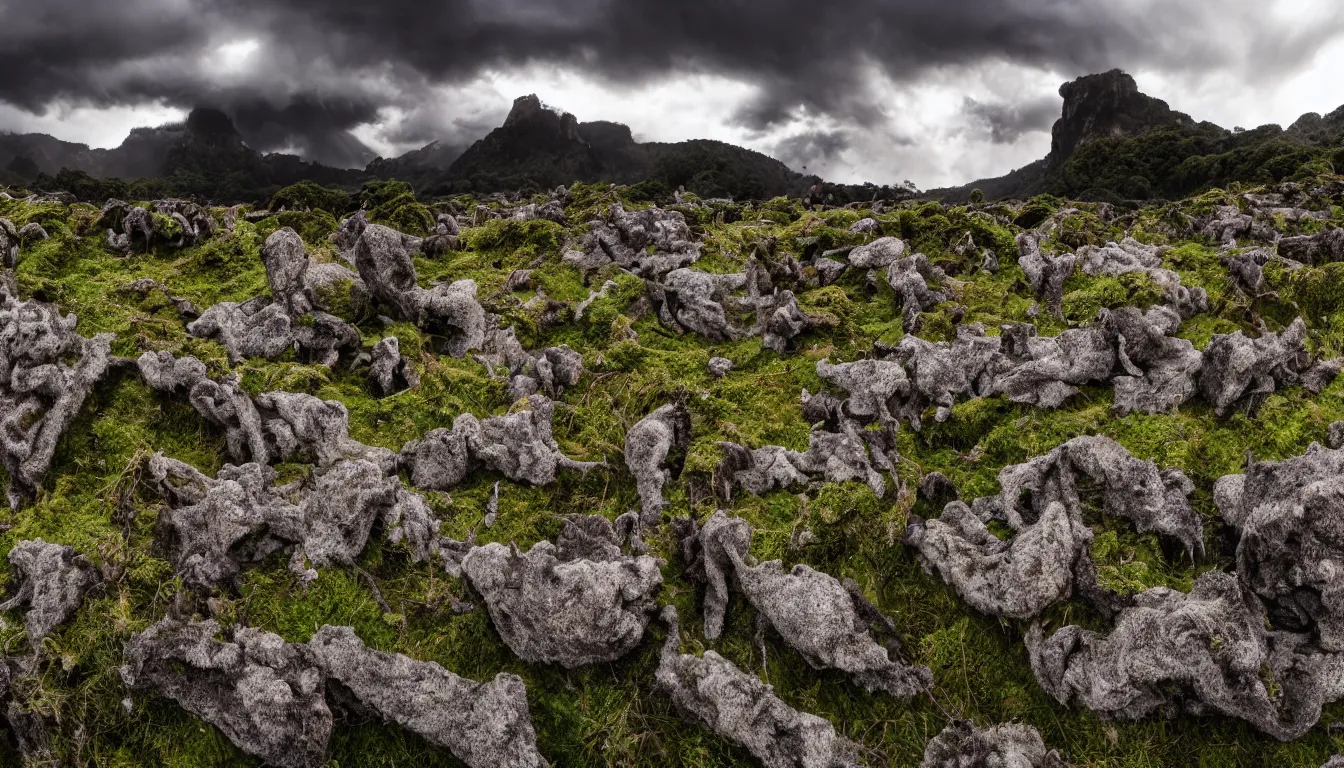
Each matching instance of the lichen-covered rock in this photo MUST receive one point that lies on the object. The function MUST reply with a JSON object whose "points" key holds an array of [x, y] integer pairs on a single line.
{"points": [[389, 372], [52, 583], [940, 372], [383, 258], [1239, 372], [1291, 548], [1131, 256], [649, 242], [1015, 579], [875, 387], [252, 329], [813, 612], [1158, 371], [910, 278], [258, 690], [221, 402], [9, 244], [700, 302], [711, 692], [286, 263], [518, 445], [882, 252], [1046, 371], [647, 446], [567, 612], [962, 745], [1205, 652], [300, 426], [836, 457], [720, 366], [482, 724], [1323, 247], [1226, 224], [549, 371], [784, 322], [1045, 273], [46, 372], [865, 226], [1153, 499]]}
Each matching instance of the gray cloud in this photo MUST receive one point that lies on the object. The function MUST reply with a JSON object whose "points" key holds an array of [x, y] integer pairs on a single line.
{"points": [[325, 66], [1006, 122]]}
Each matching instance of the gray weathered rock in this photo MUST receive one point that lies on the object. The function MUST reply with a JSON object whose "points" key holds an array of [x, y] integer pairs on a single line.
{"points": [[1157, 372], [1323, 247], [52, 583], [221, 402], [146, 285], [647, 446], [383, 258], [251, 330], [1206, 652], [720, 366], [940, 372], [701, 303], [1015, 745], [1014, 579], [1045, 273], [9, 244], [286, 265], [299, 426], [1239, 372], [1046, 371], [710, 691], [46, 372], [836, 457], [649, 243], [865, 226], [483, 724], [518, 446], [909, 278], [389, 372], [1131, 256], [828, 270], [875, 387], [255, 688], [813, 612], [882, 252], [1291, 548], [1226, 224], [567, 612]]}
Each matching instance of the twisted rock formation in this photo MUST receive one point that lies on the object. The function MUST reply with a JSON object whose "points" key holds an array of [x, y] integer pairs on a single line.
{"points": [[1131, 256], [824, 620], [1015, 745], [647, 446], [572, 612], [389, 372], [46, 372], [711, 692], [518, 446], [1045, 273], [52, 583], [254, 687], [482, 724], [649, 243], [1206, 652]]}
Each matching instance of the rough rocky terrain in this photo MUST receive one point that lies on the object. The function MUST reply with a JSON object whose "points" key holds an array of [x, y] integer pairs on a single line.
{"points": [[575, 479]]}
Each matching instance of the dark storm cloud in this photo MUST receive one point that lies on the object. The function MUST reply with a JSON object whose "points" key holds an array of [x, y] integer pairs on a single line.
{"points": [[1006, 122], [340, 61], [805, 150]]}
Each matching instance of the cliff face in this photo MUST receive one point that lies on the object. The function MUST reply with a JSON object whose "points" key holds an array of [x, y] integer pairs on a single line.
{"points": [[1113, 140], [1105, 105]]}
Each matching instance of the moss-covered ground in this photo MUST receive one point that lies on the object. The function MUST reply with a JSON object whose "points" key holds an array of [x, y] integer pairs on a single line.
{"points": [[94, 498]]}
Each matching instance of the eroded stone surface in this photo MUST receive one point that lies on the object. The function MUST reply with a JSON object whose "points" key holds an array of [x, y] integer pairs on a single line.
{"points": [[1130, 256], [1014, 745], [1045, 273], [254, 687], [389, 372], [1201, 653], [910, 278], [711, 692], [813, 612], [518, 445], [46, 372], [649, 243], [52, 581], [836, 457], [1291, 549], [647, 446], [575, 612], [1239, 372], [882, 252], [482, 724]]}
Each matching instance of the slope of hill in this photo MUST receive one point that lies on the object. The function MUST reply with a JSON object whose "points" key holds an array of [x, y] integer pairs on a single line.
{"points": [[1113, 142]]}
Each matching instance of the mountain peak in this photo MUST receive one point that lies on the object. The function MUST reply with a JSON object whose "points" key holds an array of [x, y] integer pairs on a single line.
{"points": [[1106, 104]]}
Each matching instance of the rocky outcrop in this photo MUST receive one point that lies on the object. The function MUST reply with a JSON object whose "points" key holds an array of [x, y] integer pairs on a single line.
{"points": [[711, 692], [962, 745], [647, 447], [46, 372], [518, 445], [552, 605], [482, 724], [1132, 257], [258, 690], [827, 622], [1205, 652], [52, 583], [650, 242], [389, 372]]}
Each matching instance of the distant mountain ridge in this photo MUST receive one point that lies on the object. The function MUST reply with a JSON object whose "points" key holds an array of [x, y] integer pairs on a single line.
{"points": [[1114, 142], [536, 147]]}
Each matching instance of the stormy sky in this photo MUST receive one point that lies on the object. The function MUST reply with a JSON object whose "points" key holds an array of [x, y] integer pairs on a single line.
{"points": [[935, 91]]}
